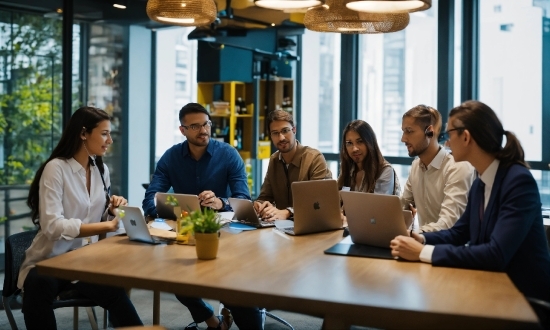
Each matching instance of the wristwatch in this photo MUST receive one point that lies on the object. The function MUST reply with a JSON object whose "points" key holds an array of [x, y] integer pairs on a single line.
{"points": [[291, 210], [224, 203]]}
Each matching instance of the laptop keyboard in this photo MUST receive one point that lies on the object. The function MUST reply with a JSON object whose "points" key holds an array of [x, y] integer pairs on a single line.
{"points": [[253, 224]]}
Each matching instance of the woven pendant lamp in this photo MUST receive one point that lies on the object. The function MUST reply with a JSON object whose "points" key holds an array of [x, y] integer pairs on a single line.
{"points": [[286, 4], [389, 6], [182, 12], [335, 17]]}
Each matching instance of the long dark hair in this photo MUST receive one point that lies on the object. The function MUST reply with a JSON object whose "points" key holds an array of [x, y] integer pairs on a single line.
{"points": [[83, 119], [373, 163], [486, 129]]}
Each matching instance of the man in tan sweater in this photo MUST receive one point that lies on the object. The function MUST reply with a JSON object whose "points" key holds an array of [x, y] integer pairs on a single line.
{"points": [[291, 162]]}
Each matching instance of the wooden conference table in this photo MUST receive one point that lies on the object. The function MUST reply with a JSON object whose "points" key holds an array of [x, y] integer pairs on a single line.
{"points": [[268, 269]]}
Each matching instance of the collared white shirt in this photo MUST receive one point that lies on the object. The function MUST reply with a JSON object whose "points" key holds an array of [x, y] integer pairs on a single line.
{"points": [[64, 204], [439, 191], [488, 178]]}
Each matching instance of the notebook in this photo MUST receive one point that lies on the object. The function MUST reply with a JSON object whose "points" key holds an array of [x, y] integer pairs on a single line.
{"points": [[165, 210], [246, 214], [374, 219], [316, 207], [135, 225]]}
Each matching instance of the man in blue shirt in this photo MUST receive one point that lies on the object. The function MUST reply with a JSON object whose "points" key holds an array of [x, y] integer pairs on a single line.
{"points": [[211, 169], [214, 171]]}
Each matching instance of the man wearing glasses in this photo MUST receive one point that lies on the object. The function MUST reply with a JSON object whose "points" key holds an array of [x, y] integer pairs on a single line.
{"points": [[214, 171], [437, 187], [291, 162]]}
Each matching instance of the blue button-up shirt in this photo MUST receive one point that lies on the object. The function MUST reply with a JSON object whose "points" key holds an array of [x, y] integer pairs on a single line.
{"points": [[220, 169]]}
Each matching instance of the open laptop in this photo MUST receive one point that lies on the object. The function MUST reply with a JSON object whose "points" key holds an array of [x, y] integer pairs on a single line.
{"points": [[316, 207], [165, 209], [374, 219], [245, 213], [135, 225]]}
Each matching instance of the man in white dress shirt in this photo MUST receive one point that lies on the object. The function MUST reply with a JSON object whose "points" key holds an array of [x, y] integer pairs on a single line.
{"points": [[437, 187]]}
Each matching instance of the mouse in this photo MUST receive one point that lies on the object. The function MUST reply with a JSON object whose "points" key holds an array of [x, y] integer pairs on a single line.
{"points": [[346, 232]]}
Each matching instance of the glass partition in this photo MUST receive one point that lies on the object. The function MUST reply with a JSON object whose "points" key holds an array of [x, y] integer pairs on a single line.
{"points": [[105, 90], [176, 82], [396, 72], [511, 66], [320, 91]]}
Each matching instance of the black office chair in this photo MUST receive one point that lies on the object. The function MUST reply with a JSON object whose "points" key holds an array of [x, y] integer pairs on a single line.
{"points": [[16, 245], [265, 314], [276, 318], [542, 309]]}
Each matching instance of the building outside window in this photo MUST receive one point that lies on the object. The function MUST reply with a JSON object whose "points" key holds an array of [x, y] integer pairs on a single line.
{"points": [[176, 84], [514, 43], [397, 72]]}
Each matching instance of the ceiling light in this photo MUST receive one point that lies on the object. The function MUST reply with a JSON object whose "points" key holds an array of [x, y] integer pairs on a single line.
{"points": [[389, 6], [287, 4], [182, 12], [120, 4], [335, 17]]}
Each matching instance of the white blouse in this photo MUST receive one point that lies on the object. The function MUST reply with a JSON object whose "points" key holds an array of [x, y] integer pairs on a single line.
{"points": [[64, 204]]}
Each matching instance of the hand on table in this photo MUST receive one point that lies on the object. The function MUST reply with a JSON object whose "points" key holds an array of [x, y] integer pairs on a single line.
{"points": [[208, 198], [268, 211], [406, 247]]}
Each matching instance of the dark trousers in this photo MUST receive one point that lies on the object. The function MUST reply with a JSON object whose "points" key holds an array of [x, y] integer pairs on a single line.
{"points": [[41, 291], [246, 318]]}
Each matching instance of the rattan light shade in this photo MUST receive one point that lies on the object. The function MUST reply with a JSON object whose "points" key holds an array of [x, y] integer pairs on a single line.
{"points": [[286, 4], [389, 6], [182, 12], [335, 17]]}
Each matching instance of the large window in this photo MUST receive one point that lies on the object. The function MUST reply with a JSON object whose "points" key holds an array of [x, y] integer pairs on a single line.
{"points": [[30, 108], [513, 50], [510, 66], [321, 91], [176, 81], [398, 71]]}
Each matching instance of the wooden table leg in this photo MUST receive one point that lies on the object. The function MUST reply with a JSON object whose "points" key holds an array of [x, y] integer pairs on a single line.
{"points": [[334, 322], [156, 307]]}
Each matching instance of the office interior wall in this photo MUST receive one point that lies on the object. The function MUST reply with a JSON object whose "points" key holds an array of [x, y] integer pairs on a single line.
{"points": [[139, 105]]}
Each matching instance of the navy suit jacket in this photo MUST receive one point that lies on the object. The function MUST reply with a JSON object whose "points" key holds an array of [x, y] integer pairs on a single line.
{"points": [[510, 237]]}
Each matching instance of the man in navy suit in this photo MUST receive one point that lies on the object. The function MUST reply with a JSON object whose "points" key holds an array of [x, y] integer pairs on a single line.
{"points": [[501, 228]]}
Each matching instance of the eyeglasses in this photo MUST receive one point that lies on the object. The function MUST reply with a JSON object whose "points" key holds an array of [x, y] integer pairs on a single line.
{"points": [[196, 127], [446, 134], [284, 131]]}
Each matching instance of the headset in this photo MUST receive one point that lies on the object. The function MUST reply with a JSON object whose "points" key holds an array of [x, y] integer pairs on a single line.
{"points": [[429, 134]]}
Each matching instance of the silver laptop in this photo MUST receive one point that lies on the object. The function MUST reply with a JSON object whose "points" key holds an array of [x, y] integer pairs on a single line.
{"points": [[316, 207], [246, 214], [164, 206], [374, 219], [135, 225]]}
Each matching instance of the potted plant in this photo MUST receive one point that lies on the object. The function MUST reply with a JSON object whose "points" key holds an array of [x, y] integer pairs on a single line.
{"points": [[206, 227]]}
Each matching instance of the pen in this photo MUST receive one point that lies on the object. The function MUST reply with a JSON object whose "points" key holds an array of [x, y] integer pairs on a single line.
{"points": [[412, 225]]}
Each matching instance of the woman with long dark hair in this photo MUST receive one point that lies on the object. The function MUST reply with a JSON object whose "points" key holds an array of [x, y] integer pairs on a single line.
{"points": [[501, 228], [69, 197], [362, 166]]}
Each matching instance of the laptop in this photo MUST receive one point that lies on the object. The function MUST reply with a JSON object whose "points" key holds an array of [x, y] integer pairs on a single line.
{"points": [[135, 225], [246, 214], [316, 207], [375, 219], [164, 206]]}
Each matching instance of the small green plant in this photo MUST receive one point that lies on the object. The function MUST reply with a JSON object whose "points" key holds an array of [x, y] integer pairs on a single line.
{"points": [[171, 200], [203, 221]]}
